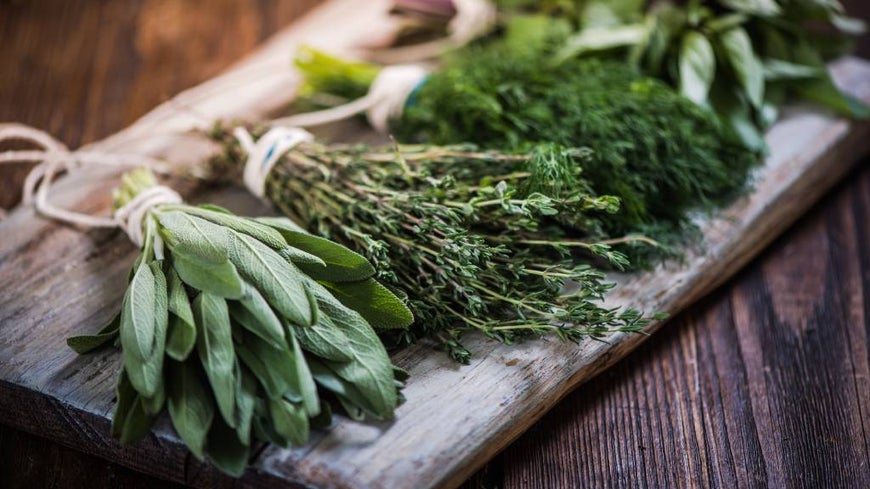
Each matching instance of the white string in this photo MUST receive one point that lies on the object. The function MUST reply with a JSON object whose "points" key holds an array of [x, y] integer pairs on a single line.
{"points": [[472, 19], [54, 157], [263, 154], [131, 216], [384, 102]]}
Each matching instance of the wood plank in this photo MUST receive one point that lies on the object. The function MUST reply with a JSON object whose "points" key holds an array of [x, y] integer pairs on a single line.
{"points": [[765, 383], [510, 388]]}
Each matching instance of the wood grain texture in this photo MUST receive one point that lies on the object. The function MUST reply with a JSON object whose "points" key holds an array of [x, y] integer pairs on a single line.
{"points": [[80, 418]]}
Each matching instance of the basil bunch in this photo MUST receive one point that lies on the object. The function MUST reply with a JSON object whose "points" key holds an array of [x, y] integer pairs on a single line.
{"points": [[245, 329]]}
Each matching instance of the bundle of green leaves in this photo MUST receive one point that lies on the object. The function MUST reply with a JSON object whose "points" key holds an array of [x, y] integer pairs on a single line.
{"points": [[245, 329], [741, 59], [481, 241], [660, 154]]}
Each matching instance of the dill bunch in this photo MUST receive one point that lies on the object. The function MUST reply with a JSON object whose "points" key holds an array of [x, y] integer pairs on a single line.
{"points": [[468, 235], [658, 152]]}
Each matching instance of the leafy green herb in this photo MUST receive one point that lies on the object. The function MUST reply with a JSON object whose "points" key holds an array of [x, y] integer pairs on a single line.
{"points": [[230, 287], [479, 240]]}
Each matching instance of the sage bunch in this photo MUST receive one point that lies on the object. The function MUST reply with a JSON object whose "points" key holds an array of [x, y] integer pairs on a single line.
{"points": [[245, 330]]}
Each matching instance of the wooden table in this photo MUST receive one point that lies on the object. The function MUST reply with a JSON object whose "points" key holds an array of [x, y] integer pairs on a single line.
{"points": [[765, 382]]}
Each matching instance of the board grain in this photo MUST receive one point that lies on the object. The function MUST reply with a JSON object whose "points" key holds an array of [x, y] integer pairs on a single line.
{"points": [[73, 393]]}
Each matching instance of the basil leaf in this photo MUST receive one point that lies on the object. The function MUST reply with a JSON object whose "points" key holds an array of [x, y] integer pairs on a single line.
{"points": [[225, 450], [215, 275], [88, 343], [289, 421], [191, 408], [182, 328], [380, 308], [278, 280], [253, 312], [740, 55], [215, 347], [697, 67], [777, 69], [762, 8]]}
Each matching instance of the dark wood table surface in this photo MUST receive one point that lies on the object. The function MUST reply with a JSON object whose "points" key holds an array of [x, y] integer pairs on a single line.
{"points": [[765, 383]]}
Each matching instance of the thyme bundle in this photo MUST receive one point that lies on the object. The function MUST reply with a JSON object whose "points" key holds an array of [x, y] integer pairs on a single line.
{"points": [[479, 240], [245, 330]]}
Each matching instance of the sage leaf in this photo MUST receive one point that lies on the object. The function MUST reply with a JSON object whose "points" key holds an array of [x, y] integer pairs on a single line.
{"points": [[254, 314], [215, 347], [289, 421], [214, 274], [225, 450], [250, 227], [272, 366], [278, 280], [747, 67], [325, 340], [246, 391], [144, 319], [190, 405], [307, 386], [697, 67], [370, 368], [181, 336], [380, 307], [341, 264], [137, 423], [125, 396], [88, 343], [198, 236]]}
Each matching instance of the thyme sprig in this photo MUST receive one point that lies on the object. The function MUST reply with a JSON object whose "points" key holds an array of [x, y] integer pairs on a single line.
{"points": [[480, 241]]}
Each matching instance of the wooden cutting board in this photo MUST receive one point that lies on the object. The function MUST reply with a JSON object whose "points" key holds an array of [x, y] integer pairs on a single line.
{"points": [[56, 281]]}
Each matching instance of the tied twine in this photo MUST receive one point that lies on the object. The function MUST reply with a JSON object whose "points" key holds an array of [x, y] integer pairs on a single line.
{"points": [[472, 19], [263, 154], [384, 102], [54, 158]]}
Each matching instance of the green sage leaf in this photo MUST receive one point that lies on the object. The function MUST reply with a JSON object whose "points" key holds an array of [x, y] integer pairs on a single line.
{"points": [[253, 312], [191, 408], [341, 264], [88, 343], [225, 450], [380, 307], [214, 275], [246, 392], [278, 280], [289, 421], [273, 367], [181, 336], [215, 347]]}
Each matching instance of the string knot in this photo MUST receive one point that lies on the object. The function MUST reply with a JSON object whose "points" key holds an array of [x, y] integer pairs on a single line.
{"points": [[131, 216], [263, 154]]}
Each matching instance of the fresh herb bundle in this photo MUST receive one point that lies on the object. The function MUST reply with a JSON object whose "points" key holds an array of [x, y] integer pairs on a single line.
{"points": [[659, 153], [245, 330], [479, 240]]}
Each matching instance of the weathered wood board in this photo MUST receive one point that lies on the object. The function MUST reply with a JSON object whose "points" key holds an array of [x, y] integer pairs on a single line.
{"points": [[56, 281]]}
